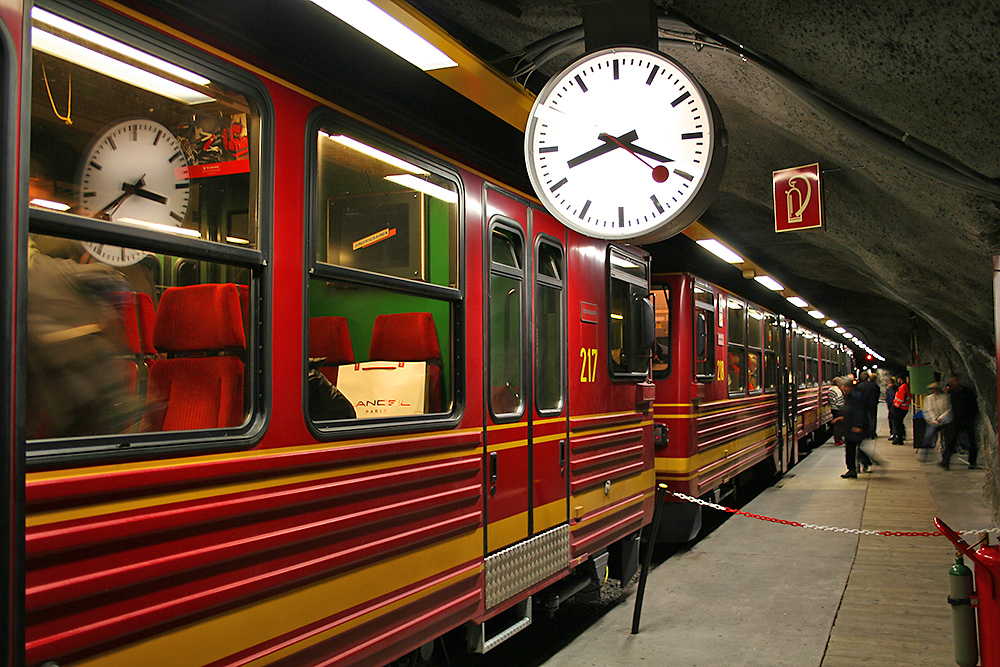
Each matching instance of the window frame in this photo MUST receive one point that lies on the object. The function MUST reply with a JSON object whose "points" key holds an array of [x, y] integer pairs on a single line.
{"points": [[549, 283], [499, 222], [633, 317], [700, 310], [741, 346], [124, 446], [668, 292], [322, 119]]}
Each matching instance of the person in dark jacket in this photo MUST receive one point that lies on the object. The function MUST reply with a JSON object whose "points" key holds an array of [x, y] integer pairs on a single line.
{"points": [[890, 394], [869, 391], [856, 419], [965, 410]]}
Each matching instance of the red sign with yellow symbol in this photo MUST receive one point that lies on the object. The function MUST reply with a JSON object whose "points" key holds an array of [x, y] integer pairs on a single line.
{"points": [[797, 198]]}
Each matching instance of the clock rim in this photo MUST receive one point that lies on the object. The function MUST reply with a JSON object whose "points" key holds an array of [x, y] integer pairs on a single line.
{"points": [[705, 190]]}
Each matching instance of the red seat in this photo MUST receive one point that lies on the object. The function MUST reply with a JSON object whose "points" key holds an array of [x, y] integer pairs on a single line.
{"points": [[410, 337], [200, 383], [330, 337]]}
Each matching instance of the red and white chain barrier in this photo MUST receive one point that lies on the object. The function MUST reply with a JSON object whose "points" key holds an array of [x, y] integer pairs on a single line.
{"points": [[832, 529]]}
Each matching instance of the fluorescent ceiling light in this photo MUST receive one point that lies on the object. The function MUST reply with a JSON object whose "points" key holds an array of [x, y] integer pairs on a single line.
{"points": [[49, 204], [769, 282], [720, 251], [436, 191], [797, 301], [372, 21], [816, 314], [356, 145], [62, 48], [103, 41], [840, 330], [183, 231], [831, 323]]}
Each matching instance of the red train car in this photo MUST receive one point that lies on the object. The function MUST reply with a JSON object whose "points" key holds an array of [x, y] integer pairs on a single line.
{"points": [[739, 390], [290, 388]]}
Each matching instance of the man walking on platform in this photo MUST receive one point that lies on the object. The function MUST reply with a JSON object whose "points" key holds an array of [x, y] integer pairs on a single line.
{"points": [[965, 410], [890, 394], [869, 391]]}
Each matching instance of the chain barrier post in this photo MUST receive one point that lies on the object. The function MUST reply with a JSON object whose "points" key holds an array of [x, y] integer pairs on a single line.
{"points": [[659, 498]]}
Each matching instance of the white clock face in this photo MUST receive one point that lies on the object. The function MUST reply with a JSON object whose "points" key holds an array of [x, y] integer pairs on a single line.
{"points": [[624, 144], [134, 174]]}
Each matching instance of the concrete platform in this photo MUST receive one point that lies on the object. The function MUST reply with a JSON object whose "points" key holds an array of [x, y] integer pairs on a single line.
{"points": [[755, 593]]}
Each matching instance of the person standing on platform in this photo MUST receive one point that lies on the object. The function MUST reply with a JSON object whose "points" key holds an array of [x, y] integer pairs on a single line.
{"points": [[937, 413], [835, 395], [901, 405], [965, 410], [869, 391], [890, 394], [856, 419]]}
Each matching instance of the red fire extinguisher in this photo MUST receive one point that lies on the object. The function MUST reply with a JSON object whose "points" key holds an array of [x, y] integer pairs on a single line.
{"points": [[984, 598]]}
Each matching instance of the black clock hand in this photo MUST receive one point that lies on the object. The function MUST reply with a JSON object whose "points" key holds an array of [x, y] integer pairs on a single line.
{"points": [[648, 153], [660, 173], [113, 204], [609, 145], [151, 196]]}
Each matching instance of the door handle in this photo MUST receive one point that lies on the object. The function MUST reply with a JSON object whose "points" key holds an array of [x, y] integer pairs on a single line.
{"points": [[493, 467], [562, 453]]}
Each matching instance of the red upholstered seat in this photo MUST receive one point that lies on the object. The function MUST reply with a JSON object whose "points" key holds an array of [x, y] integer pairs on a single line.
{"points": [[200, 383], [410, 337], [330, 337]]}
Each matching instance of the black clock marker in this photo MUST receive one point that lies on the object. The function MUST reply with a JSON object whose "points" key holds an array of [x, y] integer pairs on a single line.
{"points": [[95, 165], [180, 185], [156, 139], [692, 135], [174, 156], [177, 216], [652, 75], [135, 134], [89, 194], [549, 149], [111, 142], [584, 210], [579, 81], [656, 203], [683, 175], [621, 216], [615, 68], [558, 185], [680, 99]]}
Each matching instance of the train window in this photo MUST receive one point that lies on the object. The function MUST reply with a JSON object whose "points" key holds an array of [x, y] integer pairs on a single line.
{"points": [[755, 320], [770, 352], [383, 283], [506, 298], [145, 176], [771, 333], [549, 333], [800, 356], [661, 350], [629, 314], [704, 334], [812, 368], [737, 364]]}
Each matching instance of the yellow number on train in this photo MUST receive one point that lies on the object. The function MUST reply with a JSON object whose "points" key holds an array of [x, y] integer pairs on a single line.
{"points": [[589, 371], [720, 370]]}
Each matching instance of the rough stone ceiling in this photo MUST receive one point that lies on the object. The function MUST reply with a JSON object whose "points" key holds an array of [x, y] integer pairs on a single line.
{"points": [[921, 74]]}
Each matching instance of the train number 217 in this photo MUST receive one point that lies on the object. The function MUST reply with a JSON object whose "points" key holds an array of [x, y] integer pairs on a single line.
{"points": [[589, 371]]}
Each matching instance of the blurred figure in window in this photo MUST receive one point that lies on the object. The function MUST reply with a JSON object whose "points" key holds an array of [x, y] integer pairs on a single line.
{"points": [[76, 381]]}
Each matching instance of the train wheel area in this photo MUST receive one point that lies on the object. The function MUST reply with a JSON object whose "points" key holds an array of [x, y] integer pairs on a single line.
{"points": [[754, 592]]}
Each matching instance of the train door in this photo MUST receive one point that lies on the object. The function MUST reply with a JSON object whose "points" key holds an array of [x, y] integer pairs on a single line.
{"points": [[549, 420], [787, 395], [526, 420]]}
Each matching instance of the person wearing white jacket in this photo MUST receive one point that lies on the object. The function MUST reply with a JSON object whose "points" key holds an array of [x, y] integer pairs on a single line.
{"points": [[937, 413]]}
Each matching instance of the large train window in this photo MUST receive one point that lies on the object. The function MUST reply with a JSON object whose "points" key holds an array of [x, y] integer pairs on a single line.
{"points": [[506, 296], [549, 333], [800, 357], [736, 366], [661, 350], [383, 288], [145, 249], [630, 316], [704, 334]]}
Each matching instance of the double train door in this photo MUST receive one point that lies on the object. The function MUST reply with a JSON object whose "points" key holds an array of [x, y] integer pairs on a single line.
{"points": [[527, 491], [787, 397]]}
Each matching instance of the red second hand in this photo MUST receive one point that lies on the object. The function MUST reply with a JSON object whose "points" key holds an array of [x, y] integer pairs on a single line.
{"points": [[660, 173]]}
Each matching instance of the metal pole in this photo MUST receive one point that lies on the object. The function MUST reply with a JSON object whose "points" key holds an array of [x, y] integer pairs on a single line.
{"points": [[658, 499]]}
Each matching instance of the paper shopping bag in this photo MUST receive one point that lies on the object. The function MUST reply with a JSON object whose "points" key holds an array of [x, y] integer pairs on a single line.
{"points": [[385, 388]]}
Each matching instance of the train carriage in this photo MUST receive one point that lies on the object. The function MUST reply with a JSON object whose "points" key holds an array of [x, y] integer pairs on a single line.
{"points": [[739, 390], [331, 396]]}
